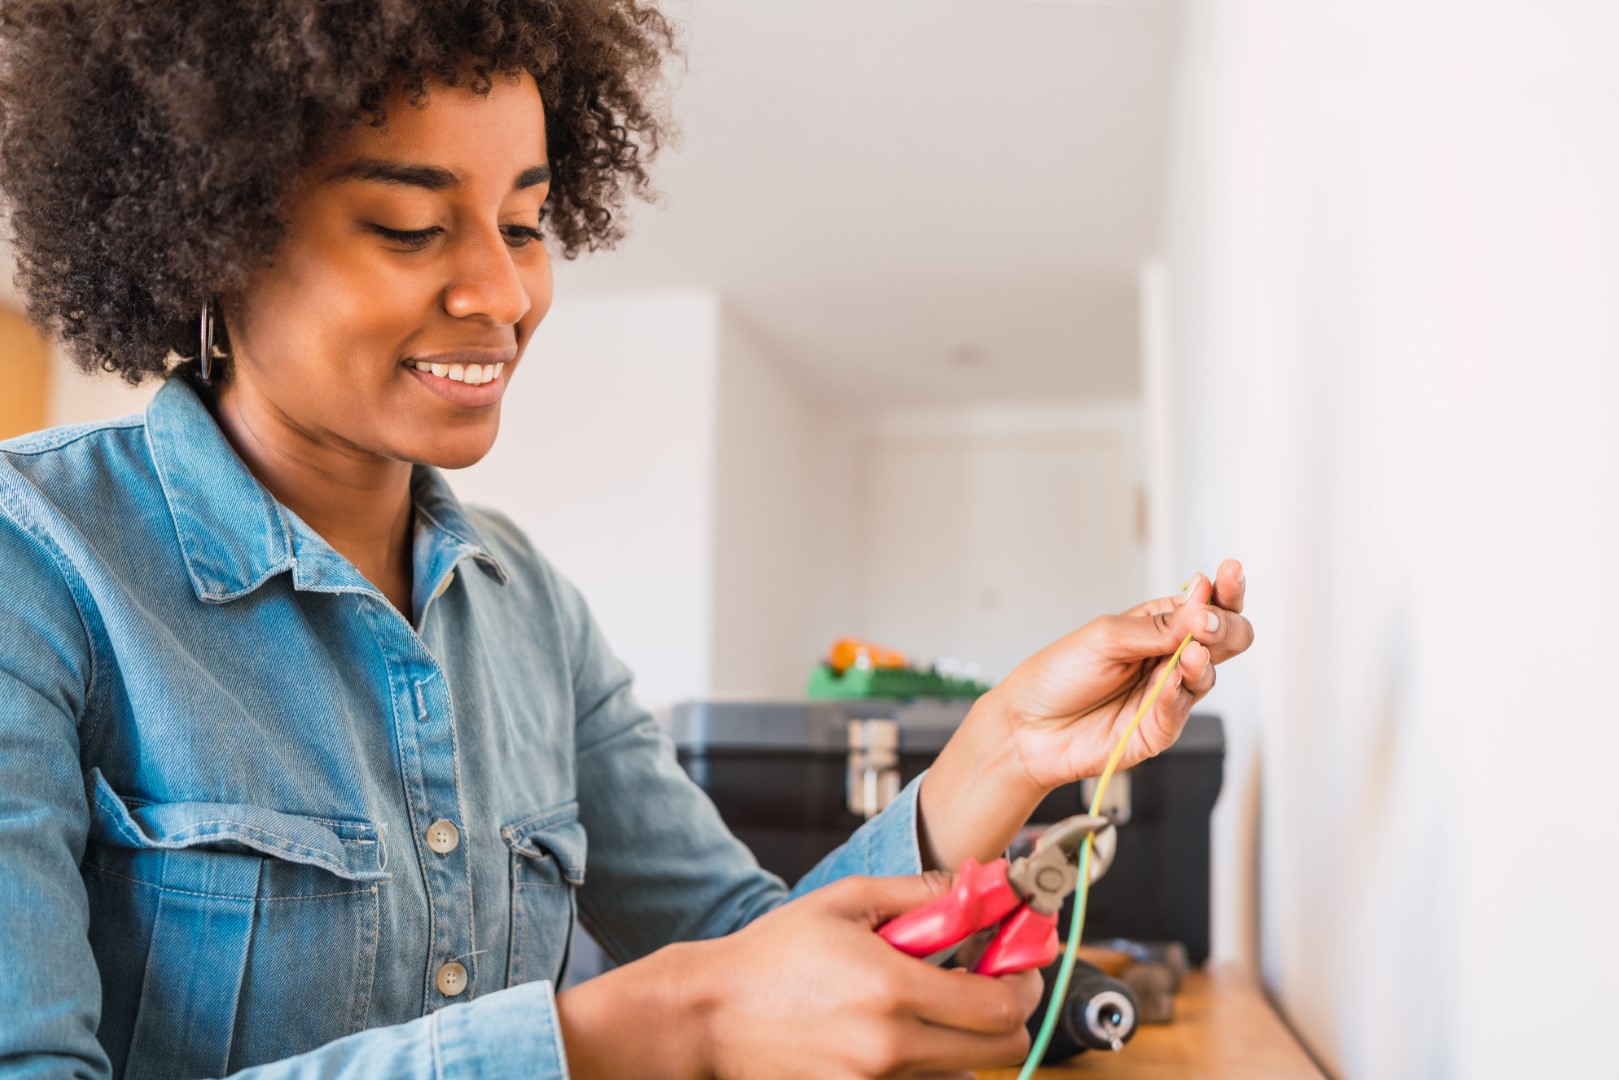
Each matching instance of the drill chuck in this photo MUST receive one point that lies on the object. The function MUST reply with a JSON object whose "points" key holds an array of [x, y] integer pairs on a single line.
{"points": [[1100, 1013], [1104, 1020]]}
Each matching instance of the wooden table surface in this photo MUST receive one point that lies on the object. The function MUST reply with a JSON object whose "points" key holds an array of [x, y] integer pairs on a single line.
{"points": [[1223, 1029]]}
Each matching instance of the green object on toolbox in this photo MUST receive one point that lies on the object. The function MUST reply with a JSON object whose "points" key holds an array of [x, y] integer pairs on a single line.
{"points": [[877, 682]]}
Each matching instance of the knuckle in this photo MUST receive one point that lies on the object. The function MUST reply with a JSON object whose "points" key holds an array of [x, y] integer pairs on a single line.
{"points": [[846, 889], [883, 992], [879, 1051]]}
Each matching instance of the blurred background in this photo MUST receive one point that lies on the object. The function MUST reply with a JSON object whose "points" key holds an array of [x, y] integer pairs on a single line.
{"points": [[960, 322]]}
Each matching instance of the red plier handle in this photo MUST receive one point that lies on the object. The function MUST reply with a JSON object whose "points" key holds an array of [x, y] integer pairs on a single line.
{"points": [[981, 897]]}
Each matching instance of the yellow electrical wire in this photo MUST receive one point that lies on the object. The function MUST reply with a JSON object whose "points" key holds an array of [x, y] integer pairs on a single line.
{"points": [[1059, 991]]}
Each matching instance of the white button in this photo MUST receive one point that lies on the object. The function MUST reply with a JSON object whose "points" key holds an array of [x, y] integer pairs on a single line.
{"points": [[445, 584], [452, 979], [442, 836]]}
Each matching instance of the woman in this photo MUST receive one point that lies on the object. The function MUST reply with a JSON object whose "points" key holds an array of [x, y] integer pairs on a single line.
{"points": [[307, 769]]}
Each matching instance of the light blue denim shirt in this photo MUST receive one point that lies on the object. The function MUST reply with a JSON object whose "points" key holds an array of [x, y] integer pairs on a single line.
{"points": [[251, 817]]}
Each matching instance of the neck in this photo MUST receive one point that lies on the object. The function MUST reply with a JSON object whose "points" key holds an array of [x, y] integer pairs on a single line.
{"points": [[357, 501]]}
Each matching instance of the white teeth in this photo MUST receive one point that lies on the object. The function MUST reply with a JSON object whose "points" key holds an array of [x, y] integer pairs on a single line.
{"points": [[471, 374]]}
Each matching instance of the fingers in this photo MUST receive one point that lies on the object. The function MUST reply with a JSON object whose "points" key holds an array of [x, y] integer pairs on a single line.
{"points": [[1154, 607], [1230, 586], [1223, 632], [976, 1003], [1197, 670], [1230, 589], [941, 1049], [1192, 678], [875, 900]]}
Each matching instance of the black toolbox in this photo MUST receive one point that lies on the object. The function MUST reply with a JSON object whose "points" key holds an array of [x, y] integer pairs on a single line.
{"points": [[793, 779]]}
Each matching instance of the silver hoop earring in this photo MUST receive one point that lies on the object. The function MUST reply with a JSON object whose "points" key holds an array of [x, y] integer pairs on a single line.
{"points": [[206, 357]]}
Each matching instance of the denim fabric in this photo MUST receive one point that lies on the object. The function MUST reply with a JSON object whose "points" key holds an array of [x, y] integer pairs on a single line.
{"points": [[221, 750]]}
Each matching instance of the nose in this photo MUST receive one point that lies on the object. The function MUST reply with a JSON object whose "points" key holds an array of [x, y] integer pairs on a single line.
{"points": [[486, 281]]}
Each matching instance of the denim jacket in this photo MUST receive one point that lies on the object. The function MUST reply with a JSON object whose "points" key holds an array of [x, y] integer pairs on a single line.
{"points": [[251, 817]]}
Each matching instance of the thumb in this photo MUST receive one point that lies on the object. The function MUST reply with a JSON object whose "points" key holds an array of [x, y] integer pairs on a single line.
{"points": [[875, 900], [1141, 636]]}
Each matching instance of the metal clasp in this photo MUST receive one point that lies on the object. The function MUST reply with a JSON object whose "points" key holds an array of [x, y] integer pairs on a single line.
{"points": [[873, 778], [1116, 807]]}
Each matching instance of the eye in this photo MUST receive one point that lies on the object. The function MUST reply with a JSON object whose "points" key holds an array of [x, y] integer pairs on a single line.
{"points": [[414, 239], [522, 235]]}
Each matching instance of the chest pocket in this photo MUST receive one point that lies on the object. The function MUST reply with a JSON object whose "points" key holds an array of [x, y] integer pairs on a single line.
{"points": [[206, 915], [547, 866]]}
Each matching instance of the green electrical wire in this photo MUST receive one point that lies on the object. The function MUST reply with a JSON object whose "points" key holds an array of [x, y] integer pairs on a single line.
{"points": [[1082, 888]]}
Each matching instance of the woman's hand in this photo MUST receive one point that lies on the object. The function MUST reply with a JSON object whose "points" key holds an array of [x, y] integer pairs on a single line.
{"points": [[1057, 717], [1065, 707], [808, 990]]}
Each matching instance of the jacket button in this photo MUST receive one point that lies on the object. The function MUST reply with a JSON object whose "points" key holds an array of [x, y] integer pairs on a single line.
{"points": [[443, 836], [452, 979]]}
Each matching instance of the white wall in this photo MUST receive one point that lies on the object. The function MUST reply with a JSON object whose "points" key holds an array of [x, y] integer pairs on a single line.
{"points": [[784, 522], [606, 459], [75, 397], [1391, 257], [988, 532]]}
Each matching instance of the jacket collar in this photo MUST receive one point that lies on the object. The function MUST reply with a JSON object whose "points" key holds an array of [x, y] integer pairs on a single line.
{"points": [[234, 536]]}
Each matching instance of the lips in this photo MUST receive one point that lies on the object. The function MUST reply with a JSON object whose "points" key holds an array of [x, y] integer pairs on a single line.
{"points": [[471, 378]]}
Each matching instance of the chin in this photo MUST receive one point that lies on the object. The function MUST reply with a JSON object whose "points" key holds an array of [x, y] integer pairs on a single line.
{"points": [[454, 453]]}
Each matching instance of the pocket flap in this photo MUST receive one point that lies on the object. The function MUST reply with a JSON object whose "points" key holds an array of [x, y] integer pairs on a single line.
{"points": [[349, 849], [555, 833]]}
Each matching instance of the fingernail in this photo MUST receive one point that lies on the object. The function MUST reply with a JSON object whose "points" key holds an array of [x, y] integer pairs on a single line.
{"points": [[1214, 622], [1187, 591]]}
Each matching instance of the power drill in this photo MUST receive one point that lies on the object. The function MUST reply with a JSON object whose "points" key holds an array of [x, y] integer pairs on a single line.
{"points": [[1101, 1013]]}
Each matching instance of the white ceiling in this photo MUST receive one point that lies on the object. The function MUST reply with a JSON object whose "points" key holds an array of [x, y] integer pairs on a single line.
{"points": [[882, 188]]}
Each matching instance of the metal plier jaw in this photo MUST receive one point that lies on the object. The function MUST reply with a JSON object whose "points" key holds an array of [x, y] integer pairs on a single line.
{"points": [[1017, 900], [1046, 875]]}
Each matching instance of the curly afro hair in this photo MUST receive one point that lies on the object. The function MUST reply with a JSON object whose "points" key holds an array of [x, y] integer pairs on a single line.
{"points": [[145, 145]]}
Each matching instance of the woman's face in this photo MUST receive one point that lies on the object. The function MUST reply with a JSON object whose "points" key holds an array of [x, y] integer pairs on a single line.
{"points": [[410, 246]]}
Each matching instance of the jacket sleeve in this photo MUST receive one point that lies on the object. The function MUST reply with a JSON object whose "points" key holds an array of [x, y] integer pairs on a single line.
{"points": [[663, 865], [50, 994], [512, 1034]]}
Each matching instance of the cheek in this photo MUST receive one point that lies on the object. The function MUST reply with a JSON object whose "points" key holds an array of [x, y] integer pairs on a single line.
{"points": [[325, 314], [537, 282]]}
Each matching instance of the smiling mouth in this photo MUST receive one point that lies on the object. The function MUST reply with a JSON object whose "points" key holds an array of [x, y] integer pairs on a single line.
{"points": [[471, 374]]}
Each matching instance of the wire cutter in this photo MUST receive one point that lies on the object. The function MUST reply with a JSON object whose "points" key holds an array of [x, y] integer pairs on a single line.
{"points": [[1018, 901]]}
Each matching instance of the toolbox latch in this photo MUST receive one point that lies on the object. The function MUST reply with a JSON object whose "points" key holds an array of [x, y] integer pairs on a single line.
{"points": [[1116, 806], [873, 780]]}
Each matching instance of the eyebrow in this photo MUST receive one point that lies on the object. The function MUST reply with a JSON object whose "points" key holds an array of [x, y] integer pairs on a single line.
{"points": [[431, 177]]}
